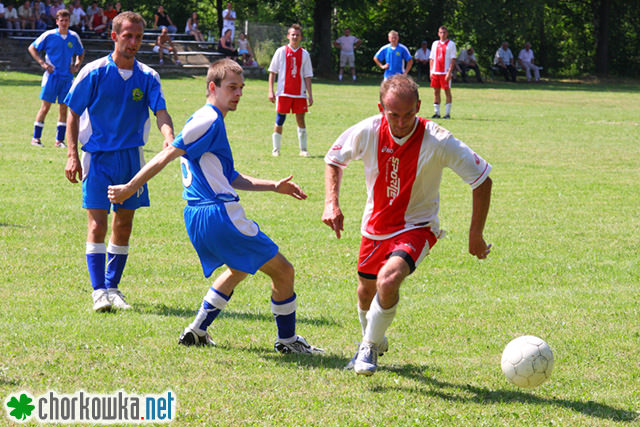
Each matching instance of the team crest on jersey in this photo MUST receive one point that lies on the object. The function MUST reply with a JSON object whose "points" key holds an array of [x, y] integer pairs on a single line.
{"points": [[336, 147], [70, 45], [137, 94]]}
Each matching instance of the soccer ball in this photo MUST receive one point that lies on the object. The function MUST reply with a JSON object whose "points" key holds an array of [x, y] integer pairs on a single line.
{"points": [[527, 361]]}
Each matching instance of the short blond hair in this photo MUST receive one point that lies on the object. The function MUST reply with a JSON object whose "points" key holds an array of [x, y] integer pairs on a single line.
{"points": [[219, 69], [401, 85], [133, 17]]}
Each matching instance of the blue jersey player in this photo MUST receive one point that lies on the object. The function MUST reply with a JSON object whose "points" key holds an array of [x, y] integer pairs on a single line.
{"points": [[109, 106], [215, 221], [394, 57], [60, 45]]}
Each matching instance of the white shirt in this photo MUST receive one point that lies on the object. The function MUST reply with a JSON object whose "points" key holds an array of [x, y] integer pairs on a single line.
{"points": [[450, 53], [347, 43], [279, 66], [13, 13], [506, 56], [464, 57], [228, 23], [526, 56], [1, 9], [422, 54]]}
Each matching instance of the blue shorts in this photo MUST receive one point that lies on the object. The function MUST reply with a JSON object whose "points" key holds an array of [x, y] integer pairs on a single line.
{"points": [[221, 234], [104, 168], [243, 51], [55, 87]]}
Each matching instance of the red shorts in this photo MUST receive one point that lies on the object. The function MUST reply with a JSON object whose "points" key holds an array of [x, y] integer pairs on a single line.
{"points": [[412, 246], [438, 81], [286, 105]]}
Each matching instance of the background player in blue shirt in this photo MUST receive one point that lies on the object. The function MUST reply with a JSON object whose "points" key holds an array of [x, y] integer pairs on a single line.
{"points": [[395, 56], [113, 95], [60, 45], [215, 221]]}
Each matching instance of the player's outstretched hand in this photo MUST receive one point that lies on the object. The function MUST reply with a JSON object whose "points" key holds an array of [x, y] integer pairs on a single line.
{"points": [[118, 193], [286, 186], [333, 217]]}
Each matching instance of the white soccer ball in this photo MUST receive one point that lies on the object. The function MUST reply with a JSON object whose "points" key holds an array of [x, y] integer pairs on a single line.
{"points": [[527, 361]]}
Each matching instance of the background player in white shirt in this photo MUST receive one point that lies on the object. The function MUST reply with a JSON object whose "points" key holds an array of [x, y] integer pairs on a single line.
{"points": [[404, 157], [215, 220], [292, 65], [60, 45], [347, 45], [443, 63], [109, 106]]}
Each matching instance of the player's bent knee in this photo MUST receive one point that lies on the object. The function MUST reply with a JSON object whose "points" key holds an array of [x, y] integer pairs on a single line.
{"points": [[280, 118]]}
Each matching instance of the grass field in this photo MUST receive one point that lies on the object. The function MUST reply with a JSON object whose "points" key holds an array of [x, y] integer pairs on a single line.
{"points": [[564, 225]]}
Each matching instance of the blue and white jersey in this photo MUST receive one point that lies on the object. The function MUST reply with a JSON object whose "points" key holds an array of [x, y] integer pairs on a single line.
{"points": [[207, 166], [395, 57], [114, 104], [59, 49]]}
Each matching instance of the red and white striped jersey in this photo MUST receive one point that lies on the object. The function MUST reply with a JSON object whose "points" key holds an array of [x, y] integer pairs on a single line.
{"points": [[403, 175], [291, 66], [442, 53]]}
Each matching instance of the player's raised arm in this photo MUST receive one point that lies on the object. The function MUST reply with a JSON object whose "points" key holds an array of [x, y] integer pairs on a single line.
{"points": [[120, 193], [332, 215]]}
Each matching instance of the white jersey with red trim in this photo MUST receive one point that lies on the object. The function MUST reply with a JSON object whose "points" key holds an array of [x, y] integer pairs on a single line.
{"points": [[403, 175], [292, 67], [442, 53]]}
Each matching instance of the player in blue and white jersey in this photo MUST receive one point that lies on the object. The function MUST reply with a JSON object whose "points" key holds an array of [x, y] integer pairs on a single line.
{"points": [[109, 106], [394, 57], [216, 222], [60, 45]]}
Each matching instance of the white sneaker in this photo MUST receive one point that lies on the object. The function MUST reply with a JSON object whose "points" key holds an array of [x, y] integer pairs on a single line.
{"points": [[275, 153], [304, 153], [367, 360], [300, 345], [36, 143], [382, 349], [101, 300], [117, 299]]}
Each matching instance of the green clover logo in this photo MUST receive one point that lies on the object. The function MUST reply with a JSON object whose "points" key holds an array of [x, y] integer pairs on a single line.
{"points": [[22, 407]]}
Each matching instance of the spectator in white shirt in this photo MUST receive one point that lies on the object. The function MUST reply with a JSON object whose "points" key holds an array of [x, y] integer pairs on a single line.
{"points": [[422, 59], [525, 58]]}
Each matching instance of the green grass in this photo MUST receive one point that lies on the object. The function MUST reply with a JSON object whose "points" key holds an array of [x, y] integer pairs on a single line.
{"points": [[564, 224]]}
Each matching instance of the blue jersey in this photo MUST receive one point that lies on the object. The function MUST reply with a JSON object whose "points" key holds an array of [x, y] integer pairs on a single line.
{"points": [[207, 166], [59, 50], [395, 57], [114, 105]]}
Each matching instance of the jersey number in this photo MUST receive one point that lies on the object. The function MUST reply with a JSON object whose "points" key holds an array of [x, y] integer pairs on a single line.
{"points": [[187, 176]]}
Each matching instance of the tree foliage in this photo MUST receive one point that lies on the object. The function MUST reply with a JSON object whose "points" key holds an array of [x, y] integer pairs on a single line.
{"points": [[569, 37]]}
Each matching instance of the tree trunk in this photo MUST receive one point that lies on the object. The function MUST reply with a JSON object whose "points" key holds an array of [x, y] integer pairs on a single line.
{"points": [[602, 35], [219, 8], [321, 47]]}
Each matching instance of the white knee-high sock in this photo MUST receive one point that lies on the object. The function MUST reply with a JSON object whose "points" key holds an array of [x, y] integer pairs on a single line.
{"points": [[447, 109], [436, 108], [302, 138], [276, 138], [362, 315], [378, 320]]}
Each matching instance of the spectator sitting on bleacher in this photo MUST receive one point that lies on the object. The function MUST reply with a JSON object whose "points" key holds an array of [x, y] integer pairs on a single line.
{"points": [[525, 58], [25, 12], [192, 27], [118, 7], [161, 19], [164, 45], [243, 48], [54, 8], [38, 19], [110, 12], [467, 61], [3, 23], [11, 17], [98, 23], [81, 16], [505, 62], [225, 45], [75, 23]]}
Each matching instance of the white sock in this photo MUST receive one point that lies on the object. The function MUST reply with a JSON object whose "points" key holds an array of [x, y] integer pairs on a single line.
{"points": [[379, 320], [362, 315], [447, 109], [436, 108], [302, 138], [276, 138]]}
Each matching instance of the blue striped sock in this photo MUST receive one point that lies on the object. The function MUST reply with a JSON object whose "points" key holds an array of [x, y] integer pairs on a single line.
{"points": [[284, 313]]}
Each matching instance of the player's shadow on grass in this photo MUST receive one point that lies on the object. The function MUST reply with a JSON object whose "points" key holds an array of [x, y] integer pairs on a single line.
{"points": [[466, 393], [164, 310]]}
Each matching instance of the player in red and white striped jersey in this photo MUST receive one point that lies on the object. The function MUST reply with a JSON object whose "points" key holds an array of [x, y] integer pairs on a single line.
{"points": [[443, 62], [404, 156]]}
